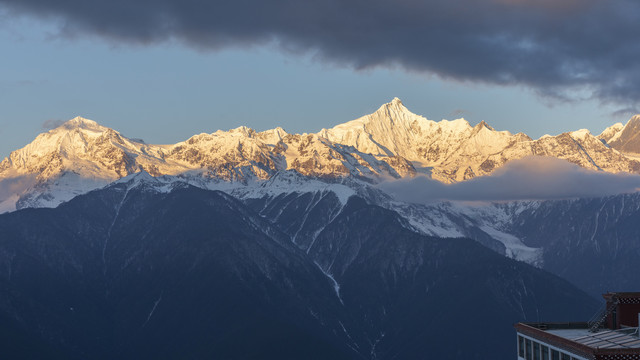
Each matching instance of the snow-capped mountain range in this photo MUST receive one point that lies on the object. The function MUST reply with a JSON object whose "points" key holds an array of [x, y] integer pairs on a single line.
{"points": [[392, 142], [81, 155], [454, 151]]}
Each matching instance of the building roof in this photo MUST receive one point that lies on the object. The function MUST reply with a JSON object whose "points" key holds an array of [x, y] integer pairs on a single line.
{"points": [[604, 339], [576, 338]]}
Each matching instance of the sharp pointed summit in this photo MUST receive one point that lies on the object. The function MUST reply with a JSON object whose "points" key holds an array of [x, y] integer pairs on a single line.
{"points": [[396, 102], [383, 133], [483, 124], [395, 109]]}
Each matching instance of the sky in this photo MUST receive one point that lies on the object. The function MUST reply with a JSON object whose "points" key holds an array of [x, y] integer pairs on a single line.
{"points": [[164, 70]]}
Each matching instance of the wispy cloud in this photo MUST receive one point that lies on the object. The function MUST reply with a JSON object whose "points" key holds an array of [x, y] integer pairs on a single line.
{"points": [[530, 178], [458, 113], [52, 124], [15, 185], [626, 112], [551, 46]]}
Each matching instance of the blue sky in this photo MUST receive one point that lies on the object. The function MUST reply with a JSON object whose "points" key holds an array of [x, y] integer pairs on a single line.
{"points": [[165, 91]]}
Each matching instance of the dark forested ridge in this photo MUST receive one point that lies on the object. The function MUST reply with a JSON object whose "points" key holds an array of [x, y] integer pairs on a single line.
{"points": [[135, 273], [591, 242]]}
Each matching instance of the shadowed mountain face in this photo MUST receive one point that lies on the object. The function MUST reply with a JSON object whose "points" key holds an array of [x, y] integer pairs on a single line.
{"points": [[189, 274], [591, 242], [130, 272]]}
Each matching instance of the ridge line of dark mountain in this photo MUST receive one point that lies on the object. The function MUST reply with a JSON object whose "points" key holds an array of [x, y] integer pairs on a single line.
{"points": [[206, 260]]}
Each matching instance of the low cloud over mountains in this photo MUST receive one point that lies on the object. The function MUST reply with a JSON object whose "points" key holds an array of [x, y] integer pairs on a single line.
{"points": [[530, 178]]}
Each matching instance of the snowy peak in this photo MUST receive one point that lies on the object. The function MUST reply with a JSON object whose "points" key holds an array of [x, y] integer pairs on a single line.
{"points": [[448, 150], [79, 122], [580, 134], [273, 136], [483, 125], [392, 130], [611, 132], [78, 156], [388, 117], [395, 109], [452, 151], [627, 140], [77, 137], [66, 139]]}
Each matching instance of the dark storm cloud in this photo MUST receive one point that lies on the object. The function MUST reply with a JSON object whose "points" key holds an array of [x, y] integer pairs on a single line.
{"points": [[530, 178], [555, 47]]}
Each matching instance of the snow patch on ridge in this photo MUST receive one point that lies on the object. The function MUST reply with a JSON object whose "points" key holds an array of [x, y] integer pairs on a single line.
{"points": [[285, 183], [456, 220], [515, 248], [580, 134], [336, 286], [162, 184]]}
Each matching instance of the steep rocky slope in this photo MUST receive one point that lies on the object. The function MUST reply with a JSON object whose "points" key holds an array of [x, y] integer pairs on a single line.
{"points": [[144, 269]]}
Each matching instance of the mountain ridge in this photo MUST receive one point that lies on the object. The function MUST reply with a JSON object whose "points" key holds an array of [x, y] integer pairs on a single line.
{"points": [[134, 271], [391, 142]]}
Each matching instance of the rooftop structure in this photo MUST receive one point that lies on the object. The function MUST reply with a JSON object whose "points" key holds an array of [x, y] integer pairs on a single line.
{"points": [[611, 335]]}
